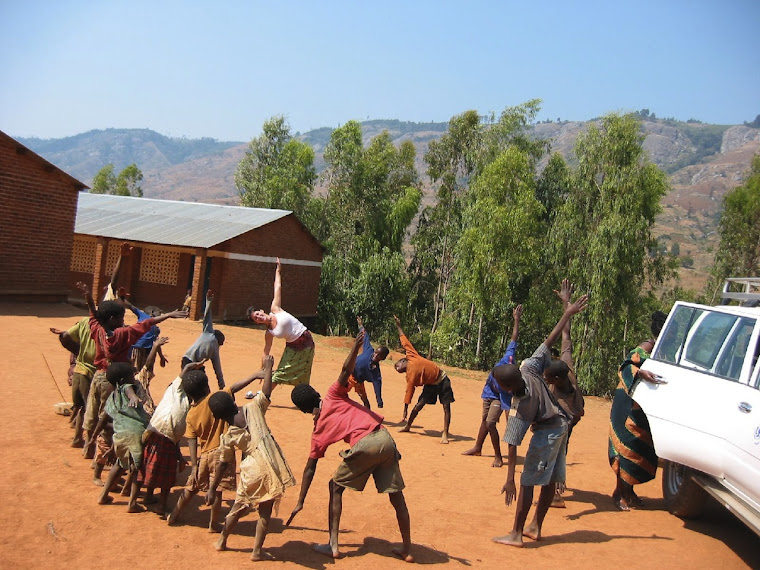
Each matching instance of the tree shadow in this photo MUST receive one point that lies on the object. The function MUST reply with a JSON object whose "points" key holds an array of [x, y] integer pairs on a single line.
{"points": [[422, 554]]}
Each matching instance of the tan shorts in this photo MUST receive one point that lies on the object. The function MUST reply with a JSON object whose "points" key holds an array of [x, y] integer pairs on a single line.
{"points": [[100, 389], [208, 465], [374, 454], [80, 389], [491, 410]]}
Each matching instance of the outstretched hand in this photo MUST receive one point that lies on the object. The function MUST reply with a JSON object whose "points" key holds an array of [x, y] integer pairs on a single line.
{"points": [[126, 249], [360, 337], [397, 321], [83, 287], [56, 331], [580, 304], [297, 509], [517, 312], [161, 341], [509, 491], [359, 321], [565, 291], [267, 362]]}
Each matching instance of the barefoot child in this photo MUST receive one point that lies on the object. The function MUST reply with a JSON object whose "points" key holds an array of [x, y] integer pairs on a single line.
{"points": [[367, 369], [264, 473], [203, 434], [560, 377], [206, 346], [422, 372], [534, 407], [161, 454], [496, 400], [373, 452], [129, 422]]}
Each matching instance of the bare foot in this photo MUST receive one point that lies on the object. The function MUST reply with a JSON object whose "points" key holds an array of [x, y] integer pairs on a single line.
{"points": [[532, 532], [221, 544], [327, 550], [107, 500], [136, 508], [474, 451], [263, 555], [621, 505], [171, 519], [512, 539], [404, 429], [79, 442], [405, 556], [444, 438], [213, 527], [161, 515], [97, 482], [497, 462]]}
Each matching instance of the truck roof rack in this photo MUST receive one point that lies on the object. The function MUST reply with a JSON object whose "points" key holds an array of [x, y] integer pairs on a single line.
{"points": [[743, 289]]}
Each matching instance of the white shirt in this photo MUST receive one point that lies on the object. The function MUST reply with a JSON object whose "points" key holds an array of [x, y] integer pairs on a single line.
{"points": [[288, 327], [170, 416]]}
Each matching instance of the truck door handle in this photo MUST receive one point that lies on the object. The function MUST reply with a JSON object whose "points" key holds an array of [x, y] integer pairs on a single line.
{"points": [[745, 407]]}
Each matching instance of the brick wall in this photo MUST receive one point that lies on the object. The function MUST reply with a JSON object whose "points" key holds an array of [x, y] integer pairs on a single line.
{"points": [[249, 283], [38, 204]]}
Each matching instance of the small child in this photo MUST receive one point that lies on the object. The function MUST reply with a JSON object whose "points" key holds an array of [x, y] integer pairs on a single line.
{"points": [[367, 369], [203, 434], [534, 407], [496, 400], [373, 452], [423, 372], [161, 454], [560, 377], [129, 422], [264, 472], [145, 375]]}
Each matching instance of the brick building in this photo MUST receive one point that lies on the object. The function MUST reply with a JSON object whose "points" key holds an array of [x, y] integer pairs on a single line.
{"points": [[185, 245], [38, 203]]}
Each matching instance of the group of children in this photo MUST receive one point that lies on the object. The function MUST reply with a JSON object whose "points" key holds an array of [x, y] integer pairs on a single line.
{"points": [[117, 422]]}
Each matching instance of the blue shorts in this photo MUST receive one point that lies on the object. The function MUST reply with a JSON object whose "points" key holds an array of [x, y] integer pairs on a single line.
{"points": [[545, 461]]}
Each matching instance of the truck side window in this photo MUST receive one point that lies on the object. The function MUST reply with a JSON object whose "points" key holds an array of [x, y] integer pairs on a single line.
{"points": [[735, 350], [672, 338], [706, 341]]}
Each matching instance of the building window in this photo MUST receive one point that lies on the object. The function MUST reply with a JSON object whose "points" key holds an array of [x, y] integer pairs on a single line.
{"points": [[83, 255], [159, 266]]}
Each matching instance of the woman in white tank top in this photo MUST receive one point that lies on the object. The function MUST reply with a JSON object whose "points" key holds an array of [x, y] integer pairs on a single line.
{"points": [[296, 362]]}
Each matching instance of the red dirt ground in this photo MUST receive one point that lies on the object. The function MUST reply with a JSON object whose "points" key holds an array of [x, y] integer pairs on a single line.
{"points": [[51, 519]]}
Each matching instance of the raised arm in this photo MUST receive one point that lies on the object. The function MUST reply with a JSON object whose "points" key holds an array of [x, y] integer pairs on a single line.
{"points": [[155, 349], [308, 477], [87, 297], [126, 251], [348, 365], [277, 297], [566, 351], [398, 326], [266, 387], [208, 325], [516, 315], [268, 338], [571, 309], [258, 375], [172, 315]]}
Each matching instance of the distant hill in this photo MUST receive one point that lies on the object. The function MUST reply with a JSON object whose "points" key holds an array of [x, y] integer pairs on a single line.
{"points": [[703, 161]]}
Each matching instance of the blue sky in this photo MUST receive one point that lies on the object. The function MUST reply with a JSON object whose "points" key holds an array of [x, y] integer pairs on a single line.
{"points": [[219, 69]]}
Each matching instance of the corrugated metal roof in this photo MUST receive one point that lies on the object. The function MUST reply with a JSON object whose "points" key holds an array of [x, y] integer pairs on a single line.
{"points": [[167, 222]]}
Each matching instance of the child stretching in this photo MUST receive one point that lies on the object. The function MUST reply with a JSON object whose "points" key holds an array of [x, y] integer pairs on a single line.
{"points": [[373, 452], [203, 434], [129, 422], [534, 407], [367, 369], [496, 400], [264, 473], [145, 375], [560, 377], [161, 454], [422, 372]]}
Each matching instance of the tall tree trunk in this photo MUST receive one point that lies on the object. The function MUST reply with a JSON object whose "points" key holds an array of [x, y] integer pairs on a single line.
{"points": [[480, 336]]}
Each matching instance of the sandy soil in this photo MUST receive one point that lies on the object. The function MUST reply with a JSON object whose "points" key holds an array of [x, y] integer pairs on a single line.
{"points": [[49, 512]]}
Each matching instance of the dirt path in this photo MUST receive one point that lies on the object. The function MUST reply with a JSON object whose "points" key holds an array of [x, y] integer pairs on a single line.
{"points": [[50, 517]]}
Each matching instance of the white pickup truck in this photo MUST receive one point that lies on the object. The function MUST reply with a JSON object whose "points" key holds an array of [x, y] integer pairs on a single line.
{"points": [[704, 412]]}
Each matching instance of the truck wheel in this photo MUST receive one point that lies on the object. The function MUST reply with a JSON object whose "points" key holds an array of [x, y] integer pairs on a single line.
{"points": [[683, 496]]}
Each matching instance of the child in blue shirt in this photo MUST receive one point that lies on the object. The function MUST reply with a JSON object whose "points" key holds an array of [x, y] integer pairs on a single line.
{"points": [[496, 400]]}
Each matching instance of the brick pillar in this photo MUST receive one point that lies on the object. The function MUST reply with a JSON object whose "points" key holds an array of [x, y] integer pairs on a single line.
{"points": [[197, 304], [101, 257]]}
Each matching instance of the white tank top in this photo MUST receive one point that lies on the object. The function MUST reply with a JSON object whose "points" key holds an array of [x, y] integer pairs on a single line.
{"points": [[288, 327]]}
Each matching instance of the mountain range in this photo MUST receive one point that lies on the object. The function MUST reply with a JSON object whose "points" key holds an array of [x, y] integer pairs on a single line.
{"points": [[703, 162]]}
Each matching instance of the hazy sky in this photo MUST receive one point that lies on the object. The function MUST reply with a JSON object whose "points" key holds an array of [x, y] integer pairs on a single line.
{"points": [[220, 68]]}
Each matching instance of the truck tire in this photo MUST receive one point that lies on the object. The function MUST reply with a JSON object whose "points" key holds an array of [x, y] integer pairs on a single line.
{"points": [[683, 496]]}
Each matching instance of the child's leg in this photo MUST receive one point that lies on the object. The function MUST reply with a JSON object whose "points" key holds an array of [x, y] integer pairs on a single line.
{"points": [[125, 490], [494, 433], [524, 499], [237, 511], [115, 473], [265, 511], [186, 495], [215, 508], [477, 449], [149, 498], [97, 473], [78, 419], [134, 492], [544, 502], [446, 422], [404, 526], [335, 510], [415, 410], [164, 499]]}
